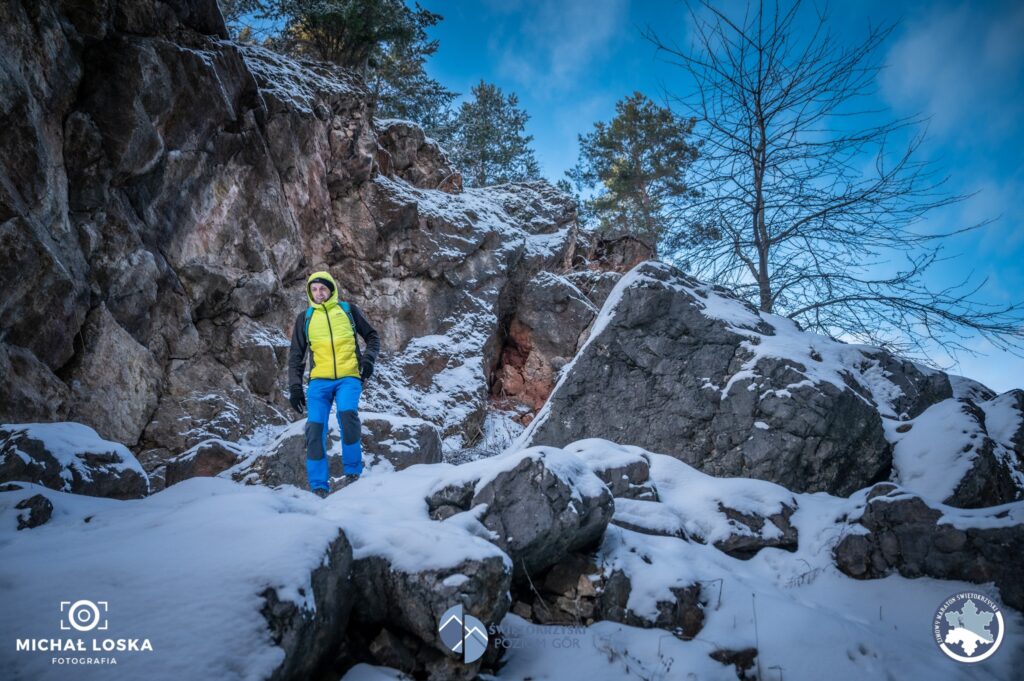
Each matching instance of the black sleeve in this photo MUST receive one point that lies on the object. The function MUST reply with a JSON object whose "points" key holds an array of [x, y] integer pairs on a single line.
{"points": [[297, 352], [368, 333]]}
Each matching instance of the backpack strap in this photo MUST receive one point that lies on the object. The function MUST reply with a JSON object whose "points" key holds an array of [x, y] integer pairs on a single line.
{"points": [[351, 320], [344, 306]]}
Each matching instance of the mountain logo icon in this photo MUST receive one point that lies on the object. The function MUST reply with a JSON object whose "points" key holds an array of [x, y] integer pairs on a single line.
{"points": [[463, 634]]}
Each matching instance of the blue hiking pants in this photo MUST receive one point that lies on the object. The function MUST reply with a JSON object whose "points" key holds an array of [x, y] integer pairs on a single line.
{"points": [[344, 392]]}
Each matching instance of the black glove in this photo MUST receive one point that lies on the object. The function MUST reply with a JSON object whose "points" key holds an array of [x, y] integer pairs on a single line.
{"points": [[297, 399], [366, 369]]}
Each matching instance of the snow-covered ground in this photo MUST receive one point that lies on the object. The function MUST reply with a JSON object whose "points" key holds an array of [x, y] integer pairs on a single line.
{"points": [[184, 568]]}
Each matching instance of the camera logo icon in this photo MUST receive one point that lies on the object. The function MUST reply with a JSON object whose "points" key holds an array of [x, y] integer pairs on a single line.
{"points": [[83, 615]]}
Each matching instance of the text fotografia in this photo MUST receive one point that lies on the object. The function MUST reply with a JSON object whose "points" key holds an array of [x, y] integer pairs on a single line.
{"points": [[536, 636]]}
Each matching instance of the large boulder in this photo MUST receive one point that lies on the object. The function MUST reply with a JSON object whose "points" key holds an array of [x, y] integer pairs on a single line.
{"points": [[391, 599], [696, 373], [70, 457], [543, 505], [310, 637]]}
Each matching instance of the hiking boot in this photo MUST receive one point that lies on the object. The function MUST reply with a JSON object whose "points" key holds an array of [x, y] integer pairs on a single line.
{"points": [[321, 492], [348, 480]]}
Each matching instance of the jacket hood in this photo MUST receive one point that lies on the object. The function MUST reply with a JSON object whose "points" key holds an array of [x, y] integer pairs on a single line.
{"points": [[333, 300]]}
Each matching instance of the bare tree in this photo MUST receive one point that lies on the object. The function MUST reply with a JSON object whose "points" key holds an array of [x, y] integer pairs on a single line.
{"points": [[803, 204]]}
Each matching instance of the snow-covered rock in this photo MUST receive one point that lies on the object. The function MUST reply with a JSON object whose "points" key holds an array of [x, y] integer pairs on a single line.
{"points": [[916, 538], [402, 441], [537, 505], [70, 457], [251, 582], [947, 454], [411, 155]]}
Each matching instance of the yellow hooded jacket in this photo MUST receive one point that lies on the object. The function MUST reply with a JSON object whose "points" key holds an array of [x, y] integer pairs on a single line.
{"points": [[330, 338]]}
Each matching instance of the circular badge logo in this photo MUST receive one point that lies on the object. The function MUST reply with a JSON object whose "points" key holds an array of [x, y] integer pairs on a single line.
{"points": [[968, 627]]}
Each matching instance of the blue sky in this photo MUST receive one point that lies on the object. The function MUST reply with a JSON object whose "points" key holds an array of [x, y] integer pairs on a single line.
{"points": [[960, 64]]}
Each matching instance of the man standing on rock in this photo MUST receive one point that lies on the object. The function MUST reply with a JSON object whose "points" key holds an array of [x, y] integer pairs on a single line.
{"points": [[327, 330]]}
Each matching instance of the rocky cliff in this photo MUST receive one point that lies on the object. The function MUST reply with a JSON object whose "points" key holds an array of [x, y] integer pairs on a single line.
{"points": [[165, 193]]}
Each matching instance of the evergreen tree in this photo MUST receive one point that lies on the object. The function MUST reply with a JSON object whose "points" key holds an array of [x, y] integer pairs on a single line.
{"points": [[490, 145], [384, 40], [402, 88], [639, 161]]}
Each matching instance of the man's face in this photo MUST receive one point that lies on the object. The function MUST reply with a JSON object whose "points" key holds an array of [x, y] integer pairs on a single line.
{"points": [[319, 292]]}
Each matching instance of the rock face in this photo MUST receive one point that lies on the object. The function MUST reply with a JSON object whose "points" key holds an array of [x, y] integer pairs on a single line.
{"points": [[459, 263], [173, 240], [406, 152], [70, 457], [907, 535], [543, 336]]}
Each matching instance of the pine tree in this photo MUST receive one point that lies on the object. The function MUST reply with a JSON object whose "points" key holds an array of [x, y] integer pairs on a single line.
{"points": [[402, 88], [384, 40], [490, 145], [639, 160]]}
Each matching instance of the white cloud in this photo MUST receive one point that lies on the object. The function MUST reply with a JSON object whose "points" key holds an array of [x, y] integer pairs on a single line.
{"points": [[556, 41], [963, 66]]}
